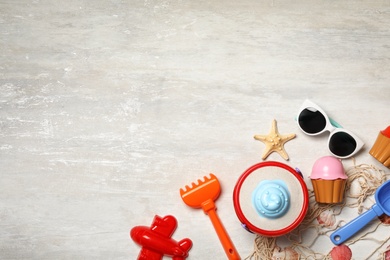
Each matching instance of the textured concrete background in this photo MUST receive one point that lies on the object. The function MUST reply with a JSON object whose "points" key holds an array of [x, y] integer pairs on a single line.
{"points": [[107, 108]]}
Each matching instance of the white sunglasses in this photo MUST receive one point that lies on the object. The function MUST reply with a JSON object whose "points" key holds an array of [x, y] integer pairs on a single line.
{"points": [[312, 120]]}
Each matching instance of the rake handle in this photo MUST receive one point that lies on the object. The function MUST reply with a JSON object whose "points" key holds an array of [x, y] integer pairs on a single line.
{"points": [[231, 252]]}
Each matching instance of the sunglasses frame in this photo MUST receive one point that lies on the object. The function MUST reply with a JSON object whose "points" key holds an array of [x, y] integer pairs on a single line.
{"points": [[331, 126]]}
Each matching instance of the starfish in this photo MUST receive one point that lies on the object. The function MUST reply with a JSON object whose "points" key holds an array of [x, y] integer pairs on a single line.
{"points": [[274, 142]]}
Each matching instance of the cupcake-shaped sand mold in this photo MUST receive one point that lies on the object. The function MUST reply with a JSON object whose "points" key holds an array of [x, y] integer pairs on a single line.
{"points": [[381, 148], [329, 180]]}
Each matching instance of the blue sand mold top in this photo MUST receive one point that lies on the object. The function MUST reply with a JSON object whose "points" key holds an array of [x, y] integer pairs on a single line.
{"points": [[271, 198]]}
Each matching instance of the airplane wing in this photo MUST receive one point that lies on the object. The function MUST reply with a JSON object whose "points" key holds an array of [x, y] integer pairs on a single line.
{"points": [[164, 226], [146, 254]]}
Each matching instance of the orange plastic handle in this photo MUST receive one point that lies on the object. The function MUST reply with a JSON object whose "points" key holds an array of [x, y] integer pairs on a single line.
{"points": [[231, 252]]}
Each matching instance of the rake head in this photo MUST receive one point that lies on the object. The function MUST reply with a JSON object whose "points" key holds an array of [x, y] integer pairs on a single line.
{"points": [[201, 192]]}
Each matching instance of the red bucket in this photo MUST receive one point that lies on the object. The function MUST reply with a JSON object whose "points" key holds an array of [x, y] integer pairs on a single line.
{"points": [[271, 199]]}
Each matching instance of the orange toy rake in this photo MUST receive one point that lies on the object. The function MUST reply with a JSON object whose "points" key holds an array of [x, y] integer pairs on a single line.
{"points": [[202, 195]]}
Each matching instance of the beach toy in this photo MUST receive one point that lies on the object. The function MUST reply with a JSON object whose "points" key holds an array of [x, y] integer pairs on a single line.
{"points": [[270, 199], [202, 195], [156, 240], [381, 148], [382, 206], [329, 180]]}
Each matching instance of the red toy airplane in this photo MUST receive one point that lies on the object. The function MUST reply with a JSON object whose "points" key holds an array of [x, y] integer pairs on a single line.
{"points": [[156, 240]]}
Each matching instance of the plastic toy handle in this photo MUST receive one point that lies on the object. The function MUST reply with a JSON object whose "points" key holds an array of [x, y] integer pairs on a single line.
{"points": [[223, 236], [351, 228]]}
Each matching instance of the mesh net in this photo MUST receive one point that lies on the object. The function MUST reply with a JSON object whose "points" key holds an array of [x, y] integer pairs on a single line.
{"points": [[320, 222]]}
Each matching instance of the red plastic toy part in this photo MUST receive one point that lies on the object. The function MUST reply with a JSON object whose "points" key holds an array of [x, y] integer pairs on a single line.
{"points": [[156, 240], [386, 132]]}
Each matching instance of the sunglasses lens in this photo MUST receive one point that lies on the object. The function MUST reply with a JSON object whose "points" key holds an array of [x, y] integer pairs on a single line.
{"points": [[342, 144], [311, 121]]}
